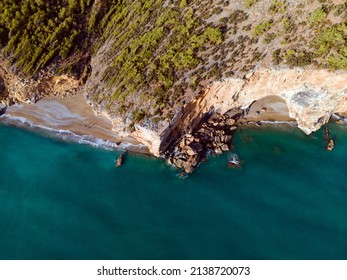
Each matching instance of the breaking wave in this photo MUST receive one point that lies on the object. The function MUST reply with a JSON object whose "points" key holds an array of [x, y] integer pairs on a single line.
{"points": [[65, 135]]}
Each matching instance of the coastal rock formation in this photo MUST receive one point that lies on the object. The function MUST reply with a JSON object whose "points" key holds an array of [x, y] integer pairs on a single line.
{"points": [[214, 134], [330, 145], [311, 95]]}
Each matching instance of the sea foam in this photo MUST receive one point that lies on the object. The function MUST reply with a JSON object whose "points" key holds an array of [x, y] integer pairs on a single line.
{"points": [[63, 134]]}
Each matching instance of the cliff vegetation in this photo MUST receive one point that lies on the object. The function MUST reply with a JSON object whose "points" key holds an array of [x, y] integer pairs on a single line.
{"points": [[147, 59]]}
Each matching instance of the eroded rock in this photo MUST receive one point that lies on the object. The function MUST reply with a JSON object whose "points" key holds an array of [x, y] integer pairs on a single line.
{"points": [[214, 134]]}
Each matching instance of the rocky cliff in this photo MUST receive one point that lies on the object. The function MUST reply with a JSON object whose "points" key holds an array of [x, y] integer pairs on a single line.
{"points": [[311, 95]]}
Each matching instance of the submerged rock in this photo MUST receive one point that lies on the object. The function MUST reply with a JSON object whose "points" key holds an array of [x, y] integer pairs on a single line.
{"points": [[326, 134], [119, 161], [330, 145]]}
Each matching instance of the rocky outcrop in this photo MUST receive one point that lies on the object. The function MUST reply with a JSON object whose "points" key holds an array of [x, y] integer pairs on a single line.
{"points": [[311, 95], [214, 134], [330, 146], [14, 89]]}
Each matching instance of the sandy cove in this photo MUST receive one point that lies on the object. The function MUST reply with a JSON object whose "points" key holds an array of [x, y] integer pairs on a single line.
{"points": [[269, 109], [72, 113]]}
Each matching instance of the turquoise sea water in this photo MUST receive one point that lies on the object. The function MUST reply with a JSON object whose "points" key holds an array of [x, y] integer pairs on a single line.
{"points": [[67, 201]]}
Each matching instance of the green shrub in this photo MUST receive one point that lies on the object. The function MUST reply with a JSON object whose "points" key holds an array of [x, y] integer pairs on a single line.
{"points": [[317, 16], [338, 60], [276, 57], [269, 37], [49, 29], [330, 46], [278, 6], [250, 3], [333, 37], [262, 27], [298, 58]]}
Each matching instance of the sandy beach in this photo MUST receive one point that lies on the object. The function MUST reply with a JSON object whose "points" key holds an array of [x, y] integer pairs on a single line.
{"points": [[72, 113], [272, 109]]}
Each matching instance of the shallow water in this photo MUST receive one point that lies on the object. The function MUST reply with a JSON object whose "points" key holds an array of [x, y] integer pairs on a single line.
{"points": [[63, 200]]}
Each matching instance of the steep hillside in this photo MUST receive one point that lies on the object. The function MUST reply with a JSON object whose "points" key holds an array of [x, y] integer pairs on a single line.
{"points": [[156, 61]]}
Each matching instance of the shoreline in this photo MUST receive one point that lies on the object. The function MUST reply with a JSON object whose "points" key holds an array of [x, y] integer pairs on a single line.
{"points": [[69, 118]]}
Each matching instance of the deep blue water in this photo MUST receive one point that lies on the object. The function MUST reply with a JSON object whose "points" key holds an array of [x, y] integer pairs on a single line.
{"points": [[67, 201]]}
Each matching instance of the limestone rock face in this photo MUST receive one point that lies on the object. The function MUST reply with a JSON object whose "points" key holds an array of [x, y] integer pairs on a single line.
{"points": [[311, 95], [151, 138]]}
